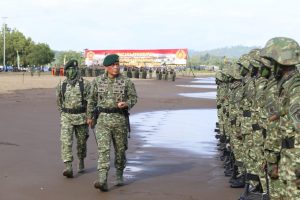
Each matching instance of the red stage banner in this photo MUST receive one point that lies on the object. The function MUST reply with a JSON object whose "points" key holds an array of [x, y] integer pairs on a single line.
{"points": [[140, 58]]}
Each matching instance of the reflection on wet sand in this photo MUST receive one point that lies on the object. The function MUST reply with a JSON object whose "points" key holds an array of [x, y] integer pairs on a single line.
{"points": [[190, 130], [210, 80], [203, 95], [199, 86]]}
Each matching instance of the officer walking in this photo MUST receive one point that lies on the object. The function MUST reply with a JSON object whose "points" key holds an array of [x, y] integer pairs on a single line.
{"points": [[71, 101], [112, 96]]}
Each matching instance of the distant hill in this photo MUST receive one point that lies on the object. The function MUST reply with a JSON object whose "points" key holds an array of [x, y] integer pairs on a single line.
{"points": [[230, 52]]}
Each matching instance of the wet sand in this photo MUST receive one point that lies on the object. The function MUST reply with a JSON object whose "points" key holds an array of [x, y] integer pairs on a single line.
{"points": [[31, 168]]}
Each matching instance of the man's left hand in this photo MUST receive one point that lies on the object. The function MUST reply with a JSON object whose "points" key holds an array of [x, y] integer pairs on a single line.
{"points": [[122, 105]]}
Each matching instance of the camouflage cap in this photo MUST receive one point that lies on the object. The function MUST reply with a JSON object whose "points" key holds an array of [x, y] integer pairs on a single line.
{"points": [[264, 61], [284, 51], [236, 74], [218, 75], [224, 72], [244, 61], [254, 55], [227, 70]]}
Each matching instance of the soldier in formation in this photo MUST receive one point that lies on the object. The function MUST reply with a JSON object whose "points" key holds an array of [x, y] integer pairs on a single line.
{"points": [[258, 125]]}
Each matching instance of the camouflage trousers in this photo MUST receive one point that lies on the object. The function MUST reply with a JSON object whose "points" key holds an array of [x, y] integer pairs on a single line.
{"points": [[276, 186], [289, 191], [289, 162], [66, 137], [256, 154], [247, 131], [105, 135]]}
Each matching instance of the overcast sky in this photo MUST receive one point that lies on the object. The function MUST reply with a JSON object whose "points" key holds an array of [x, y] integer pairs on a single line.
{"points": [[151, 24]]}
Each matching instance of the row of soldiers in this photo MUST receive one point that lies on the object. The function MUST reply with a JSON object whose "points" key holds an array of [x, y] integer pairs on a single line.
{"points": [[165, 74], [161, 73], [258, 101], [130, 72], [135, 72]]}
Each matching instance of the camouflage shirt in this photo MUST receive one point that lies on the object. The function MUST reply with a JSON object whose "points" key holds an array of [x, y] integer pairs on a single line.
{"points": [[289, 90], [107, 92], [72, 100]]}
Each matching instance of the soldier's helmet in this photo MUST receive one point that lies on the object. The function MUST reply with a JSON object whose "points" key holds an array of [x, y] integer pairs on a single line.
{"points": [[236, 72], [284, 51], [264, 61], [254, 56], [218, 76], [244, 61], [224, 73]]}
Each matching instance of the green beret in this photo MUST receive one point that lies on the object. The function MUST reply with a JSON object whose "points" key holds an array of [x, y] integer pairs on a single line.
{"points": [[110, 59], [71, 63]]}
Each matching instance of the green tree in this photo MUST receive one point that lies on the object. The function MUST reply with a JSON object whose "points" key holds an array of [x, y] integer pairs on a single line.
{"points": [[64, 56], [40, 54], [29, 52]]}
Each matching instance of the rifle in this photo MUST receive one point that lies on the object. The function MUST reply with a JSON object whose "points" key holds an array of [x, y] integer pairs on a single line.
{"points": [[95, 117]]}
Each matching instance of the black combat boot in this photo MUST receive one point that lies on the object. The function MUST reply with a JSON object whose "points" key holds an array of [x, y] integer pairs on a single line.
{"points": [[239, 182], [119, 178], [102, 183], [245, 192], [234, 174], [68, 171], [81, 166]]}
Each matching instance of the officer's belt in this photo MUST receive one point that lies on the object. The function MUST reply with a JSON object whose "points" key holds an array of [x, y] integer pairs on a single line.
{"points": [[112, 110], [74, 111], [247, 113], [288, 143], [256, 127]]}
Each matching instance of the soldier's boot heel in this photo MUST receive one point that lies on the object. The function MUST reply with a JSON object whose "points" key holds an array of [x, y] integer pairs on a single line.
{"points": [[68, 171], [81, 166], [101, 186], [102, 183], [119, 178]]}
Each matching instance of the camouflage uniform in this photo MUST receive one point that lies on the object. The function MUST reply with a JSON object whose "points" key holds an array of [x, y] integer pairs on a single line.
{"points": [[290, 133], [220, 96], [250, 128], [285, 55], [246, 122], [256, 150], [111, 126], [72, 106], [234, 103]]}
